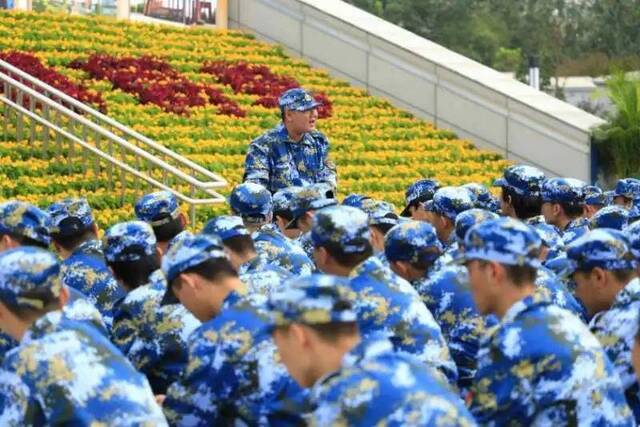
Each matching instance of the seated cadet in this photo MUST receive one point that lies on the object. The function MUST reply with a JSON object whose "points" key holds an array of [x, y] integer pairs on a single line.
{"points": [[614, 216], [483, 197], [562, 201], [161, 211], [412, 249], [253, 203], [416, 195], [442, 211], [633, 235], [304, 204], [382, 218], [154, 338], [386, 303], [353, 382], [75, 237], [594, 200], [520, 196], [626, 192], [234, 375], [606, 282], [282, 212], [540, 365], [254, 271], [63, 372]]}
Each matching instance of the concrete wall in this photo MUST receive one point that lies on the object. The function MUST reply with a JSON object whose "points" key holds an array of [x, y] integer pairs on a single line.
{"points": [[454, 92]]}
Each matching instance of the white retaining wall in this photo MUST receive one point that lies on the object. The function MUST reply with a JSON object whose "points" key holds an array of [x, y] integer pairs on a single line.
{"points": [[479, 103]]}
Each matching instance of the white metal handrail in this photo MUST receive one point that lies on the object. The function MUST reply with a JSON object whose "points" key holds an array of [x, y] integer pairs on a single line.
{"points": [[37, 107]]}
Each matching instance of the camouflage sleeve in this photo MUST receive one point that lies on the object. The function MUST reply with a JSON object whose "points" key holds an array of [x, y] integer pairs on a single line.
{"points": [[124, 327], [16, 406], [256, 164], [198, 398], [327, 171]]}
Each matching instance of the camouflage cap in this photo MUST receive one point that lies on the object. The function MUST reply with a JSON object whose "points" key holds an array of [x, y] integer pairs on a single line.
{"points": [[522, 179], [603, 247], [627, 187], [24, 273], [415, 242], [450, 201], [307, 199], [561, 266], [24, 219], [189, 252], [157, 208], [420, 191], [613, 216], [594, 196], [178, 238], [503, 240], [313, 300], [483, 197], [355, 200], [344, 226], [297, 99], [282, 199], [468, 219], [609, 197], [551, 238], [326, 190], [129, 241], [251, 200], [70, 216], [633, 236], [379, 212], [226, 227], [563, 190]]}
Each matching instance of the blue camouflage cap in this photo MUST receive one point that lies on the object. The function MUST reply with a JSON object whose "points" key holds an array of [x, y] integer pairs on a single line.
{"points": [[551, 238], [420, 191], [355, 200], [522, 179], [70, 216], [503, 240], [634, 213], [129, 241], [307, 199], [594, 196], [313, 300], [415, 242], [282, 199], [191, 251], [26, 271], [379, 212], [297, 99], [627, 187], [178, 238], [613, 216], [609, 197], [468, 219], [226, 227], [603, 247], [251, 200], [157, 208], [344, 226], [24, 219], [483, 197], [633, 236], [563, 190], [450, 201], [561, 266]]}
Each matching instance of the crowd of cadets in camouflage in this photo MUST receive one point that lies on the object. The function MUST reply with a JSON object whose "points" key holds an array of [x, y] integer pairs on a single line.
{"points": [[300, 308]]}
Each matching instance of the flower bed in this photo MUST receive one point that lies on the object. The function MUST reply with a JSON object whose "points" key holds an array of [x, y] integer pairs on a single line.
{"points": [[378, 149]]}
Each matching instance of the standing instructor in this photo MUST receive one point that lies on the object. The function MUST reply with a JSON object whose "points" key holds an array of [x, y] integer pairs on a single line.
{"points": [[293, 152]]}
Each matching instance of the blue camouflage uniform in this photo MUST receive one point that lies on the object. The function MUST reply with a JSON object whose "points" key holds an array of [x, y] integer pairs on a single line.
{"points": [[374, 385], [64, 372], [275, 161], [85, 269], [419, 192], [234, 374], [540, 365], [254, 204], [616, 327], [614, 216], [386, 303], [305, 200], [483, 197], [445, 292], [153, 337], [259, 275], [380, 214], [524, 181], [158, 209], [628, 188]]}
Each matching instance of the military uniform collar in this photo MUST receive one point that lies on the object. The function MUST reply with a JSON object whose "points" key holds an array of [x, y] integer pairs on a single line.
{"points": [[521, 306], [630, 293], [251, 265], [234, 298], [88, 247], [45, 325], [284, 134], [371, 263]]}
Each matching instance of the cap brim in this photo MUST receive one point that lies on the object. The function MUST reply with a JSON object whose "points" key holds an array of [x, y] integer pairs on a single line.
{"points": [[500, 182], [293, 224], [169, 297]]}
